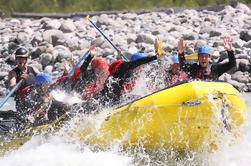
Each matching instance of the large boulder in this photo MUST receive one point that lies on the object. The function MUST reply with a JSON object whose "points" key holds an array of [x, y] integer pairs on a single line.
{"points": [[3, 74], [104, 20], [247, 44], [48, 69], [245, 35], [23, 38], [63, 53], [51, 24], [46, 58], [68, 26], [242, 77], [51, 36], [145, 38]]}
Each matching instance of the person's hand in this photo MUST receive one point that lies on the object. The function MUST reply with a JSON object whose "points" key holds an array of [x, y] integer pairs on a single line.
{"points": [[119, 54], [24, 76], [46, 99], [227, 43], [92, 50], [66, 67], [181, 46], [156, 45], [159, 56]]}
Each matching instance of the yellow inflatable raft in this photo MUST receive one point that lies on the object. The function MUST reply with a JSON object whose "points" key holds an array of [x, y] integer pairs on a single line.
{"points": [[190, 116]]}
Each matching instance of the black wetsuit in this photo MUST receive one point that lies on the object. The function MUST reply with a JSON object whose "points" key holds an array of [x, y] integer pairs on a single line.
{"points": [[19, 73], [30, 71], [112, 89], [86, 76], [211, 72]]}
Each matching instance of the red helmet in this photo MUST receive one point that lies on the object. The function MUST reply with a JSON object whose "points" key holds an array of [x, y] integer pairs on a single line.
{"points": [[99, 63], [113, 67]]}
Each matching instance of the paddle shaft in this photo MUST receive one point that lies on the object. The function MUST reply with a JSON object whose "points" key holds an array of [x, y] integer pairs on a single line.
{"points": [[107, 38], [78, 63], [4, 100]]}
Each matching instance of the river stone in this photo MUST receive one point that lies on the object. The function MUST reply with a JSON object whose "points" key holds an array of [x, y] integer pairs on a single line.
{"points": [[190, 36], [145, 38], [3, 74], [48, 69], [225, 77], [241, 77], [240, 86], [23, 37], [63, 52], [247, 44], [245, 35], [46, 58], [68, 26], [216, 32], [51, 24], [52, 35]]}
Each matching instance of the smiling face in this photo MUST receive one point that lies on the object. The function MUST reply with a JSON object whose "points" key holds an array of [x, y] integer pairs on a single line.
{"points": [[21, 63], [175, 68], [204, 59]]}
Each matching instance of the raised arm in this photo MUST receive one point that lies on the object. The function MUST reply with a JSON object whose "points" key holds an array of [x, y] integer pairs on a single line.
{"points": [[181, 51], [88, 60], [222, 68]]}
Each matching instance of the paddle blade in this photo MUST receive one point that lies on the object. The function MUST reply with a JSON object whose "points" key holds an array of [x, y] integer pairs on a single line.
{"points": [[88, 18], [195, 55], [192, 56], [159, 48]]}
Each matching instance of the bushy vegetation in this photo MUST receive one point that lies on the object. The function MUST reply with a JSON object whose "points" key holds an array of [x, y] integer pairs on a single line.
{"points": [[71, 6]]}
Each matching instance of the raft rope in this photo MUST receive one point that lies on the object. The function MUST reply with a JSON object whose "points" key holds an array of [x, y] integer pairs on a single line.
{"points": [[189, 103]]}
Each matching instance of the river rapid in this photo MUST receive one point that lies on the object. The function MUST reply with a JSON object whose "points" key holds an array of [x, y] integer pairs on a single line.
{"points": [[59, 150]]}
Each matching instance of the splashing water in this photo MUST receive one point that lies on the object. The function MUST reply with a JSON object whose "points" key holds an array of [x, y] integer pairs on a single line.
{"points": [[55, 151], [66, 98], [59, 148]]}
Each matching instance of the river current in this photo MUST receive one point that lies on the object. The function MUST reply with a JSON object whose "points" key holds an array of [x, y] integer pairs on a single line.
{"points": [[57, 150]]}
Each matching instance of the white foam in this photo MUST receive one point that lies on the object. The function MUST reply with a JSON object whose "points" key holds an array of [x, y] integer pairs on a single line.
{"points": [[66, 98], [56, 152]]}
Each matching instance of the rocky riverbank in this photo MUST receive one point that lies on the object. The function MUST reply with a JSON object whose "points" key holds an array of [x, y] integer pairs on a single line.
{"points": [[51, 41]]}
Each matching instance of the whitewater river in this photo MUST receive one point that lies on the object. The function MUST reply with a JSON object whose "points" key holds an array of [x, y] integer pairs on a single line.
{"points": [[59, 151]]}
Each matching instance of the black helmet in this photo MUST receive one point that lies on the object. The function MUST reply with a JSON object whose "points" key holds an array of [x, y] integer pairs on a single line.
{"points": [[22, 53]]}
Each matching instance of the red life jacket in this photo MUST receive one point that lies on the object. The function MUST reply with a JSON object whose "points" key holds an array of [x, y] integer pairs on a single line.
{"points": [[114, 66], [75, 75], [178, 77], [61, 79], [127, 86], [23, 92], [92, 89]]}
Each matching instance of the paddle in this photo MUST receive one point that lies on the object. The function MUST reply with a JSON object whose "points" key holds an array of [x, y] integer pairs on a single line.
{"points": [[158, 47], [4, 100], [89, 19], [83, 57], [195, 55]]}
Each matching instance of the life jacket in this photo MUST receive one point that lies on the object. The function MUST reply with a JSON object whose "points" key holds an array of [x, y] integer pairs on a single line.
{"points": [[114, 66], [92, 89], [23, 92], [178, 77], [19, 73], [75, 75], [203, 73], [127, 86], [61, 79]]}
